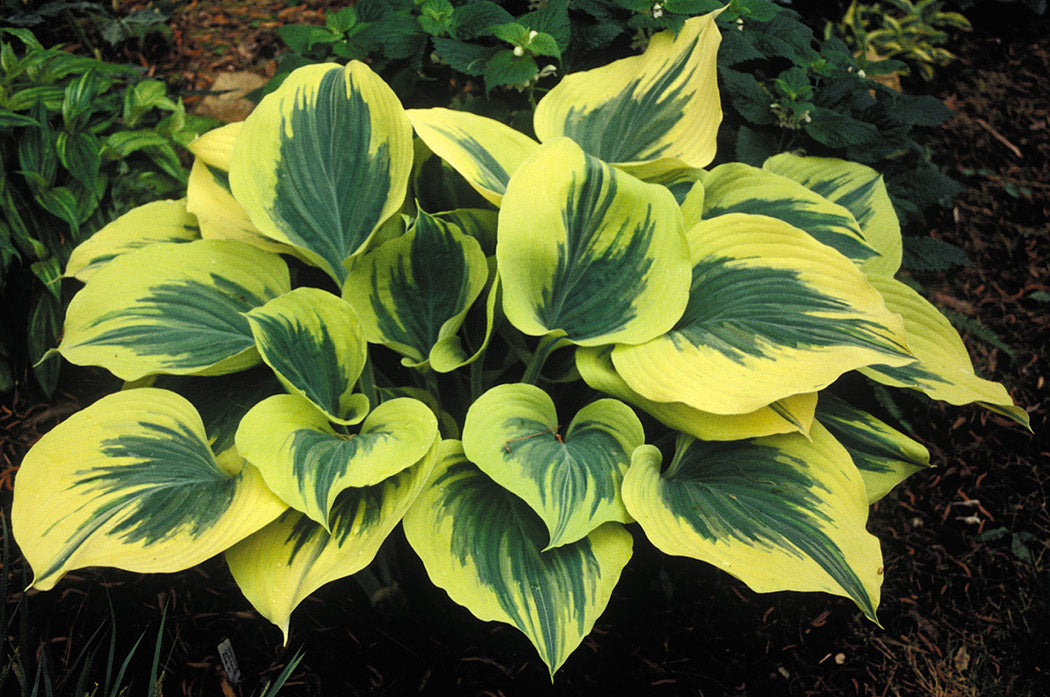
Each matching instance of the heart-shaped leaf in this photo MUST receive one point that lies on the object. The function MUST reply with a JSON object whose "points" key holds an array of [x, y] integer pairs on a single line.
{"points": [[484, 546], [323, 161], [413, 292], [279, 566], [307, 463], [589, 251], [573, 481]]}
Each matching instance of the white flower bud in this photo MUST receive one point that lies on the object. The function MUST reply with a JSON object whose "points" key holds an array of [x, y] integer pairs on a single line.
{"points": [[519, 51]]}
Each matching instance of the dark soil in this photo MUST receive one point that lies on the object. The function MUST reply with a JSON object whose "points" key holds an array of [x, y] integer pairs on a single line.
{"points": [[967, 544]]}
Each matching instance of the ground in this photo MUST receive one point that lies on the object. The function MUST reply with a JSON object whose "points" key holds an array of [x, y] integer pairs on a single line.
{"points": [[966, 544]]}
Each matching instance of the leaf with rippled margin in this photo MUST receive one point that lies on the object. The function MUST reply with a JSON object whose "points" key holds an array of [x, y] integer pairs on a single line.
{"points": [[130, 482], [590, 251], [314, 342], [413, 292], [484, 151], [779, 513], [159, 221], [652, 112], [884, 455], [572, 481], [308, 463], [483, 545], [862, 191], [280, 565], [788, 415], [943, 370], [740, 188], [173, 308], [772, 313], [323, 161]]}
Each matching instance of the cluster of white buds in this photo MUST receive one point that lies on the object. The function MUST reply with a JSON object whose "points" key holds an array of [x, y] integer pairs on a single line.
{"points": [[657, 10], [740, 24]]}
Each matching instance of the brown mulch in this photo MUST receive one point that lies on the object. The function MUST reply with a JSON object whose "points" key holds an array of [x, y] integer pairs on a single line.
{"points": [[967, 545]]}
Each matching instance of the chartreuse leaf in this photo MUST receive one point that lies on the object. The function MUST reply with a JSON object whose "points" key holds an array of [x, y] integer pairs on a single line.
{"points": [[208, 194], [787, 415], [159, 221], [943, 370], [884, 455], [659, 106], [740, 188], [862, 191], [323, 161], [484, 151], [167, 309], [413, 292], [130, 482], [588, 250], [779, 513], [484, 546], [772, 313], [308, 463], [512, 434], [280, 565], [314, 342]]}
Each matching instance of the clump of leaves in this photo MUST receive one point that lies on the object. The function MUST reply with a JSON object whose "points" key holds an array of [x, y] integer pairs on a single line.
{"points": [[785, 91], [613, 333], [81, 140], [913, 33]]}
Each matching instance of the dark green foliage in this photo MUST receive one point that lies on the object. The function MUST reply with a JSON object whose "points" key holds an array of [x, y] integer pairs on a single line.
{"points": [[81, 141]]}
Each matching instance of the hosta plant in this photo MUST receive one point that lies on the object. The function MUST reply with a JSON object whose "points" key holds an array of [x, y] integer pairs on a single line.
{"points": [[613, 338]]}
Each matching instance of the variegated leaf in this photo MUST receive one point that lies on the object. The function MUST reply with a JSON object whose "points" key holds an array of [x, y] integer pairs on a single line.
{"points": [[590, 251], [208, 193], [279, 566], [130, 482], [166, 309], [772, 313], [656, 111], [943, 370], [740, 188], [787, 415], [484, 151], [316, 346], [779, 513], [512, 434], [323, 161], [484, 546], [858, 188], [308, 463], [884, 455], [159, 221], [413, 292]]}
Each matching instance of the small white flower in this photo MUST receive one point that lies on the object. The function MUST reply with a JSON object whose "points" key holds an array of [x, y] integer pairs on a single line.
{"points": [[658, 11], [519, 51], [547, 71], [740, 23], [533, 34], [861, 73]]}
